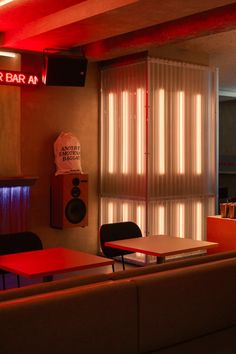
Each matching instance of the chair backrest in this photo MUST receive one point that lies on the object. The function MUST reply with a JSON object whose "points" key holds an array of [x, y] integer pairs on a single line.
{"points": [[117, 231], [19, 242]]}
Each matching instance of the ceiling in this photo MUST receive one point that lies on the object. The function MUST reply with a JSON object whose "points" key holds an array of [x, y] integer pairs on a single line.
{"points": [[106, 29]]}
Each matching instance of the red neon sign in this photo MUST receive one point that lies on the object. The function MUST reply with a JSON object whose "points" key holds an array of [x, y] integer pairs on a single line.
{"points": [[17, 78]]}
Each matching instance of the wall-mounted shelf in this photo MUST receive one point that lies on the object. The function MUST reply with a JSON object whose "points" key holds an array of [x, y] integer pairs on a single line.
{"points": [[17, 181]]}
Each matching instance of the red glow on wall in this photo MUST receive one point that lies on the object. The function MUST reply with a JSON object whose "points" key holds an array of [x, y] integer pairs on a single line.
{"points": [[17, 78]]}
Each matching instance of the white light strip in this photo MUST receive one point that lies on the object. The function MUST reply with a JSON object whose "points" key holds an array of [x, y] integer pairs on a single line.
{"points": [[180, 220], [161, 220], [110, 213], [125, 212], [140, 137], [125, 127], [161, 132], [102, 135], [111, 134], [198, 141], [4, 2], [199, 221], [181, 134], [7, 54], [139, 215]]}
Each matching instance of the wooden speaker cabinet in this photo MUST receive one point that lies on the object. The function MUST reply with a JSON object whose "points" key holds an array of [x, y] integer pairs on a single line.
{"points": [[69, 200]]}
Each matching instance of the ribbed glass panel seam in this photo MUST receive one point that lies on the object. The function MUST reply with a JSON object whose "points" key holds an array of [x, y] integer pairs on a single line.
{"points": [[177, 146]]}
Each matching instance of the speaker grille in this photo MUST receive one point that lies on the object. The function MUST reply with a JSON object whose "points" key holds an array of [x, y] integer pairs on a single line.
{"points": [[75, 211]]}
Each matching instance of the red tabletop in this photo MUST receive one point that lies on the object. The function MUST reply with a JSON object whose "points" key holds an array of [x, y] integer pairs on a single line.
{"points": [[50, 261]]}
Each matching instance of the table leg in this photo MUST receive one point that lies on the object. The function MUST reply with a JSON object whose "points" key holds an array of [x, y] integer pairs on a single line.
{"points": [[47, 278], [18, 281], [160, 259]]}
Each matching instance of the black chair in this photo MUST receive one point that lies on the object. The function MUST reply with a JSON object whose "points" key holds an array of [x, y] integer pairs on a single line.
{"points": [[15, 243], [114, 232]]}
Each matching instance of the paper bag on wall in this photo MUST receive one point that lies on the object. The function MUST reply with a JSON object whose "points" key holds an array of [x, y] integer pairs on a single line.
{"points": [[67, 154]]}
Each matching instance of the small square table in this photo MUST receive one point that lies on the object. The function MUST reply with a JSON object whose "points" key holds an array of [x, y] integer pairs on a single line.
{"points": [[50, 261], [160, 245]]}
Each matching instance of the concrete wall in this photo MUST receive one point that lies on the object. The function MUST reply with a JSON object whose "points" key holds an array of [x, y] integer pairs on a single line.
{"points": [[10, 122], [45, 112], [173, 52]]}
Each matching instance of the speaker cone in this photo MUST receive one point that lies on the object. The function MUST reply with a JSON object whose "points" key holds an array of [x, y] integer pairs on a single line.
{"points": [[75, 210], [76, 181], [75, 192]]}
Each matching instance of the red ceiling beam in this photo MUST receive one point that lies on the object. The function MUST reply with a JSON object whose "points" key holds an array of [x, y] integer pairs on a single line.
{"points": [[63, 18], [220, 19]]}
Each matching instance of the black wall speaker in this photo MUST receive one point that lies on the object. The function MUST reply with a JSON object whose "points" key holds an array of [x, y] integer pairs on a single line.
{"points": [[67, 70], [69, 200]]}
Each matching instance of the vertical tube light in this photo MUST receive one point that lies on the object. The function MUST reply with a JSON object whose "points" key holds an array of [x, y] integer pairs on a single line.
{"points": [[161, 132], [111, 133], [181, 134], [110, 213], [161, 220], [139, 215], [140, 132], [125, 212], [199, 221], [198, 141], [125, 130], [180, 218]]}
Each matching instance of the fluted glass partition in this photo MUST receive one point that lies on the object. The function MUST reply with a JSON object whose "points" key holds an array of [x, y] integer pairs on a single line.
{"points": [[158, 146]]}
